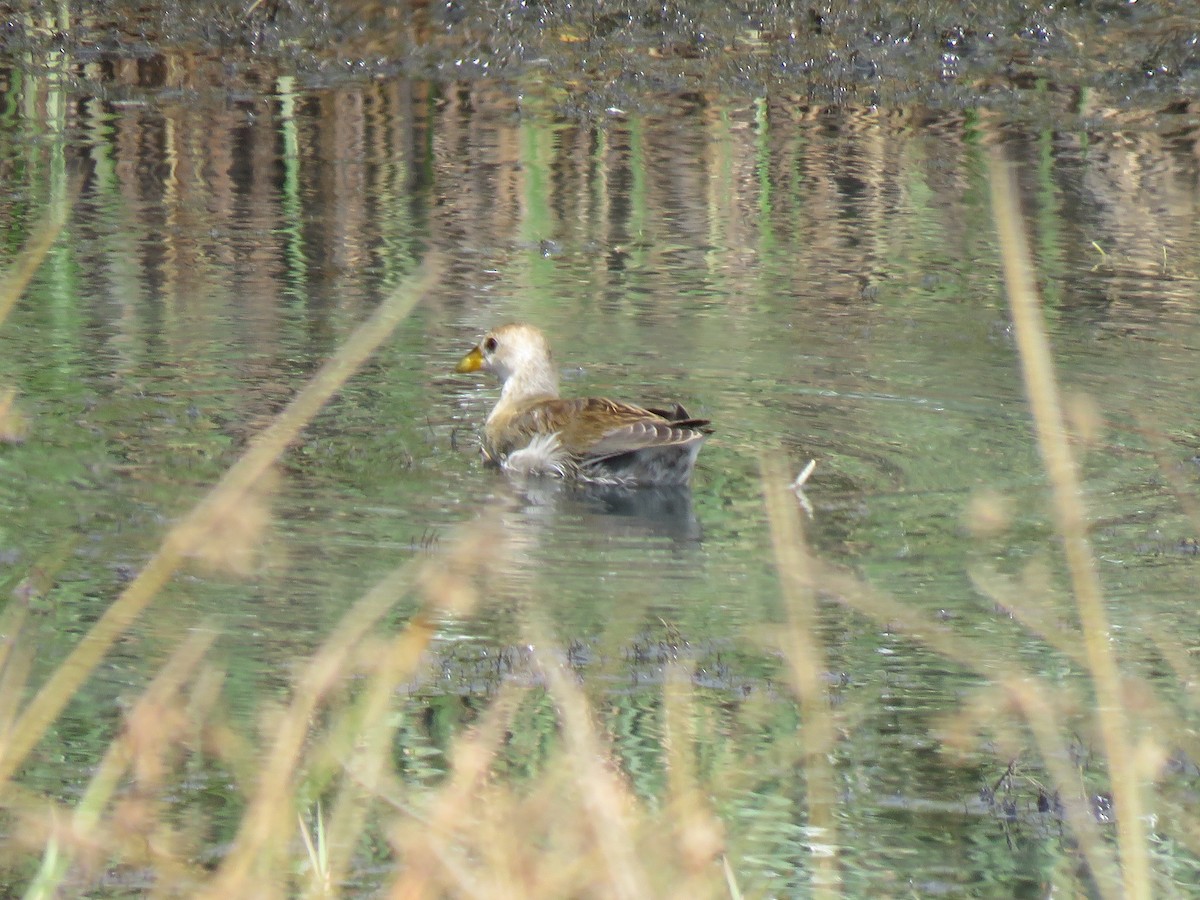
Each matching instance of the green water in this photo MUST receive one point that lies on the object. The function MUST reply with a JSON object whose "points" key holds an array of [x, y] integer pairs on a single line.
{"points": [[820, 283]]}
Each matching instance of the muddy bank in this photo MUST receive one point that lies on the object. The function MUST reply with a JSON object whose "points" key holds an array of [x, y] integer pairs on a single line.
{"points": [[1114, 55]]}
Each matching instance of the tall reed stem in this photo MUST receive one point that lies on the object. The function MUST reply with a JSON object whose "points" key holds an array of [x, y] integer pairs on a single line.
{"points": [[1037, 368]]}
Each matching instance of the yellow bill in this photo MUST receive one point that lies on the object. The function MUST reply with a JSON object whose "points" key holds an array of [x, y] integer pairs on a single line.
{"points": [[472, 362]]}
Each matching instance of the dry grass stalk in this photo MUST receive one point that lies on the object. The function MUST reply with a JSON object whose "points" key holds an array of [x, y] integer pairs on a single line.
{"points": [[14, 281], [1046, 725], [257, 857], [605, 798], [135, 829], [358, 741], [575, 830], [13, 427], [538, 840], [235, 533], [897, 617], [16, 657], [429, 848], [805, 658], [16, 649], [1016, 599], [1044, 398], [698, 837], [1176, 655], [449, 587], [223, 499], [1018, 691], [1169, 468]]}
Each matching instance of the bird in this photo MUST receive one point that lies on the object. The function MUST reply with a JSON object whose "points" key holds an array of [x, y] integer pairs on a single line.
{"points": [[533, 431]]}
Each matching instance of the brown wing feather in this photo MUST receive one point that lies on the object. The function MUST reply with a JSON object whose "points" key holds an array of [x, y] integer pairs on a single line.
{"points": [[595, 428], [642, 435]]}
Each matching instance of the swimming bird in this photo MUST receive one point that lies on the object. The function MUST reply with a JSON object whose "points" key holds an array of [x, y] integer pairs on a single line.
{"points": [[534, 431]]}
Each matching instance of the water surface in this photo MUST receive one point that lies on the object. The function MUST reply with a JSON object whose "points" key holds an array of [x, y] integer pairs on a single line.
{"points": [[819, 282]]}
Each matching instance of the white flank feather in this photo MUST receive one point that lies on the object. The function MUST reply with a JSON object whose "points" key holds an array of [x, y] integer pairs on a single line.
{"points": [[544, 455]]}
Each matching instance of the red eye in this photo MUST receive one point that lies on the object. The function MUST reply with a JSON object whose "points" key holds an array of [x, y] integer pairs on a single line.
{"points": [[489, 346]]}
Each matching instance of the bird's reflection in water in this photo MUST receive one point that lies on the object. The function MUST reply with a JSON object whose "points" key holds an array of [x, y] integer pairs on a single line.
{"points": [[626, 514]]}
